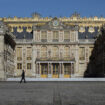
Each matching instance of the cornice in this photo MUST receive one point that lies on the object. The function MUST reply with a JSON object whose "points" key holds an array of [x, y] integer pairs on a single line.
{"points": [[46, 19]]}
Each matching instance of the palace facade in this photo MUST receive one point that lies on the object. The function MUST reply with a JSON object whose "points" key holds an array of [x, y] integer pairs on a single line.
{"points": [[53, 47]]}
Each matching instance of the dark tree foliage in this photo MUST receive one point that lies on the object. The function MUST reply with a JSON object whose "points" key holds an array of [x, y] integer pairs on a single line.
{"points": [[96, 65]]}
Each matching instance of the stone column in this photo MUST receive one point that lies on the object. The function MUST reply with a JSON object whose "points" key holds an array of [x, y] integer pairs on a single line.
{"points": [[60, 70], [2, 71], [39, 70], [24, 58], [72, 69], [33, 61], [49, 70], [76, 68], [36, 69]]}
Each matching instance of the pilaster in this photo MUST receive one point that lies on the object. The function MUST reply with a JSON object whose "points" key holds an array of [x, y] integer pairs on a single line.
{"points": [[33, 61], [2, 71]]}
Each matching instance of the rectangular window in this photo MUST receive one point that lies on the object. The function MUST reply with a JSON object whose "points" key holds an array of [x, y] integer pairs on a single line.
{"points": [[55, 69], [72, 36], [66, 36], [44, 69], [66, 52], [82, 53], [67, 69], [19, 65], [55, 36], [37, 35], [55, 52], [19, 53], [43, 52], [29, 53], [43, 36], [28, 65]]}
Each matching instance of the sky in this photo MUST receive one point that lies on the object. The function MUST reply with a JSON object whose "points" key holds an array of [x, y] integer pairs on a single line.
{"points": [[59, 8]]}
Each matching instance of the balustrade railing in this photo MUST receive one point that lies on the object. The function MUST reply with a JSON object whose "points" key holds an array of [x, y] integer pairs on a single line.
{"points": [[55, 58]]}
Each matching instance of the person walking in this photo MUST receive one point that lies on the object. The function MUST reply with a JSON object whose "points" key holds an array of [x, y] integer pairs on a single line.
{"points": [[23, 76]]}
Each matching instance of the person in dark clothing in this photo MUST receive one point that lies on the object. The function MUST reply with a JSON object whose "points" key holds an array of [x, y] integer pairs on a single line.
{"points": [[23, 76]]}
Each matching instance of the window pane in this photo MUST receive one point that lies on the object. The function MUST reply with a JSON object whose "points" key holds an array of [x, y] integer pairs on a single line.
{"points": [[55, 52], [19, 65], [29, 53], [43, 52], [28, 65], [43, 35], [55, 35], [66, 52], [66, 35], [82, 53], [19, 53]]}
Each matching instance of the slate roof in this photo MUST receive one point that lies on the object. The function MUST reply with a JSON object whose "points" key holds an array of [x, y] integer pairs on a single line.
{"points": [[26, 35], [22, 35], [88, 34]]}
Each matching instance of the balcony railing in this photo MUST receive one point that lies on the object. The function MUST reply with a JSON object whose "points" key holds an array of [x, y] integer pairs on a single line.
{"points": [[55, 58]]}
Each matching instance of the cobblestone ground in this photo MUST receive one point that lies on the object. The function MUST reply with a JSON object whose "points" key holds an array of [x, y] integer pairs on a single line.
{"points": [[52, 93]]}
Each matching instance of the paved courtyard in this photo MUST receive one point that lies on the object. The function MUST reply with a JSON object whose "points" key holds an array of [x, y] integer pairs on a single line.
{"points": [[52, 93]]}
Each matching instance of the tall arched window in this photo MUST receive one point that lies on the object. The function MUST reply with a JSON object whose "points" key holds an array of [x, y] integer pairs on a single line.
{"points": [[66, 36], [43, 51], [29, 53], [66, 51], [55, 52], [44, 36], [55, 36], [19, 53], [82, 53]]}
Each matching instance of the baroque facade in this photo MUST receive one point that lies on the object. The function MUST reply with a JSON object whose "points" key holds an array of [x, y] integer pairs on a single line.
{"points": [[53, 47]]}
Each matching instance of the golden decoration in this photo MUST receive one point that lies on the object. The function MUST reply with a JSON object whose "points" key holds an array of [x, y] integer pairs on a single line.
{"points": [[91, 29], [19, 29]]}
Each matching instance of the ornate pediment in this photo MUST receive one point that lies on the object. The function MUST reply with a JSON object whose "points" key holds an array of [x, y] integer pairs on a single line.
{"points": [[54, 24]]}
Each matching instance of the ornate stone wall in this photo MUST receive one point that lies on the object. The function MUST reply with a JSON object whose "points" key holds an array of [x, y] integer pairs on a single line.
{"points": [[7, 46], [75, 32]]}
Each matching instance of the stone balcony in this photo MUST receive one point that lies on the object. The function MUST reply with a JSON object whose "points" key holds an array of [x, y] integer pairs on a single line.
{"points": [[55, 59]]}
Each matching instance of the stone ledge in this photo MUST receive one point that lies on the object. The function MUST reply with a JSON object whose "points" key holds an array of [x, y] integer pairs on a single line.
{"points": [[58, 79]]}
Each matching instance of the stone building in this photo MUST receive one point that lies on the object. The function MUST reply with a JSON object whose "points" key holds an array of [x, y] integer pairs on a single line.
{"points": [[7, 51], [49, 47]]}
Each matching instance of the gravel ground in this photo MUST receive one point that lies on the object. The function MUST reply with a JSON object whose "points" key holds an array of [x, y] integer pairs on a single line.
{"points": [[52, 93]]}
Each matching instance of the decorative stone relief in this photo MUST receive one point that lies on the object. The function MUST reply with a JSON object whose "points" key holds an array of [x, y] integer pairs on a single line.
{"points": [[19, 29], [29, 29], [91, 29], [82, 29]]}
